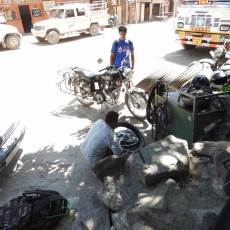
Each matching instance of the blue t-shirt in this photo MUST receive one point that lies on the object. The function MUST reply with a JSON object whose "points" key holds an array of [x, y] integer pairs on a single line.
{"points": [[120, 48]]}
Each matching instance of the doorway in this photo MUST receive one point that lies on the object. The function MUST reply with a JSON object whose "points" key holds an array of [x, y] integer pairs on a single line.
{"points": [[147, 10], [26, 18], [156, 9]]}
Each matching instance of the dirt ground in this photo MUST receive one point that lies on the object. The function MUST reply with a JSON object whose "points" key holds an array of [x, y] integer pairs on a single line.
{"points": [[50, 158]]}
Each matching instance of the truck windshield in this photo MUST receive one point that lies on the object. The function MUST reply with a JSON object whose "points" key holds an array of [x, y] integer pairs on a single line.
{"points": [[57, 13]]}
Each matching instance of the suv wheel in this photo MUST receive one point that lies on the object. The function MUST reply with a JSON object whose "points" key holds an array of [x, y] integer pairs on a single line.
{"points": [[53, 37], [94, 29], [13, 42]]}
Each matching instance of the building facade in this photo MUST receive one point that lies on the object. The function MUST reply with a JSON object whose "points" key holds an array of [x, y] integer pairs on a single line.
{"points": [[136, 11], [24, 13]]}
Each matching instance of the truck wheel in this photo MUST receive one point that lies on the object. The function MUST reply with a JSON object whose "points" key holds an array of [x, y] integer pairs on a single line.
{"points": [[94, 29], [40, 39], [187, 47], [13, 42], [53, 37]]}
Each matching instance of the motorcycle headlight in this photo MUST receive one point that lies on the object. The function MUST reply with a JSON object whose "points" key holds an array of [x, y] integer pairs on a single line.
{"points": [[127, 73]]}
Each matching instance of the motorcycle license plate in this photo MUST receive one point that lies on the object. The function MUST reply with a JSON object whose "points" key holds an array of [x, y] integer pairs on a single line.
{"points": [[96, 85], [181, 34], [215, 37], [196, 40]]}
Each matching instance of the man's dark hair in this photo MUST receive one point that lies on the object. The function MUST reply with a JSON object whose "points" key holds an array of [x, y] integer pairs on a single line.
{"points": [[111, 117], [122, 29]]}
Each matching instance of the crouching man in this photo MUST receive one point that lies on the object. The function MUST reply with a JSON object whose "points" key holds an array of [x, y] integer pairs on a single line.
{"points": [[101, 142]]}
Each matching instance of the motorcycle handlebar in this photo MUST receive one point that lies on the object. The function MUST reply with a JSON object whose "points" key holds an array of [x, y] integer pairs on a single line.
{"points": [[106, 68]]}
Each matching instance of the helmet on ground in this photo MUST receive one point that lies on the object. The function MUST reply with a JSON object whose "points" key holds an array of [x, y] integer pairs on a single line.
{"points": [[218, 79], [197, 92], [219, 52], [199, 81]]}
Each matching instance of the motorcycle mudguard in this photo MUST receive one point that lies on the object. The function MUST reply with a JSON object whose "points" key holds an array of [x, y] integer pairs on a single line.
{"points": [[207, 60], [195, 64], [136, 89], [141, 91]]}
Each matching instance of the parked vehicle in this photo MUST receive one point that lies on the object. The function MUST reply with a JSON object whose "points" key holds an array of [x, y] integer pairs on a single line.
{"points": [[113, 20], [71, 20], [9, 37], [106, 87], [202, 23], [11, 134]]}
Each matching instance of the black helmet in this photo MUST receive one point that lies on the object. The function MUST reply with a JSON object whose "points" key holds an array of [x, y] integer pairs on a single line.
{"points": [[199, 81], [218, 79], [197, 91]]}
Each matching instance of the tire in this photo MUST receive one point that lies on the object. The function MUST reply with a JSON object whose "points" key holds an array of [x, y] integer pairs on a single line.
{"points": [[228, 46], [40, 39], [13, 42], [139, 109], [117, 23], [110, 23], [53, 37], [162, 122], [83, 99], [130, 137], [187, 46], [94, 29]]}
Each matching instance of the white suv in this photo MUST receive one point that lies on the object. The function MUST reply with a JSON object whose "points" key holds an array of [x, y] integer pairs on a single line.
{"points": [[9, 37]]}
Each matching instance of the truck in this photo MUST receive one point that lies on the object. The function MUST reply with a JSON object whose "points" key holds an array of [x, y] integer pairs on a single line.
{"points": [[203, 23], [9, 35], [70, 20]]}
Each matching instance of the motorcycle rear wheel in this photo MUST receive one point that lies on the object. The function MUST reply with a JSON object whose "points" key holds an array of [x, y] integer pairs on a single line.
{"points": [[83, 99], [130, 137], [138, 110]]}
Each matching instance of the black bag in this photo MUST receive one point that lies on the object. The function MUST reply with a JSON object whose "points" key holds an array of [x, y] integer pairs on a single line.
{"points": [[35, 209]]}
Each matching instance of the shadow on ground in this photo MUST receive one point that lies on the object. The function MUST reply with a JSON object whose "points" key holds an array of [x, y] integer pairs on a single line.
{"points": [[185, 56]]}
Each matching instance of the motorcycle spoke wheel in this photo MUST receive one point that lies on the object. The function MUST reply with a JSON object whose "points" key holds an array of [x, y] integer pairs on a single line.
{"points": [[129, 136], [84, 100], [137, 103]]}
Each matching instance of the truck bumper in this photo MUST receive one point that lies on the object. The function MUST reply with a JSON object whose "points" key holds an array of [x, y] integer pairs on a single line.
{"points": [[211, 45], [41, 34]]}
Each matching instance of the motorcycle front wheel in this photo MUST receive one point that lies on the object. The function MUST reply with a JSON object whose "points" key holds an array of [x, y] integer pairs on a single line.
{"points": [[84, 100], [136, 103], [129, 136]]}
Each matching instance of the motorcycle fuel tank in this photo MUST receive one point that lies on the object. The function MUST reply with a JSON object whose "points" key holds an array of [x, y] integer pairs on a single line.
{"points": [[111, 75]]}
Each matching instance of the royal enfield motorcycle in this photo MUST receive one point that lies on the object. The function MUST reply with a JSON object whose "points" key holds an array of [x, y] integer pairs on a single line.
{"points": [[104, 88], [113, 20]]}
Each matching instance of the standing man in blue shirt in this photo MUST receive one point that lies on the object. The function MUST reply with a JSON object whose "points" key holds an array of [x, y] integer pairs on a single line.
{"points": [[120, 48]]}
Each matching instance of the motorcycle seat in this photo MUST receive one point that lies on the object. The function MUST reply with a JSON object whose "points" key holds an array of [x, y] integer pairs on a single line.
{"points": [[92, 76]]}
